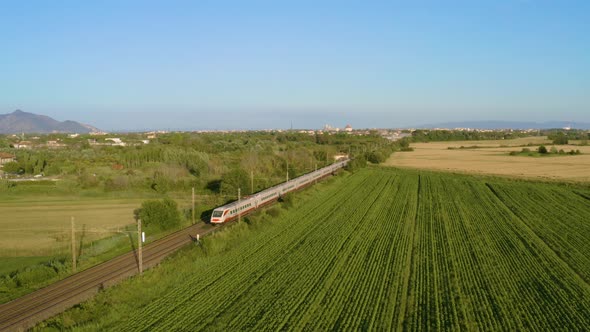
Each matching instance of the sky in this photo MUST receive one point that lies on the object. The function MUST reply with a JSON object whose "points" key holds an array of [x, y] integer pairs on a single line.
{"points": [[130, 65]]}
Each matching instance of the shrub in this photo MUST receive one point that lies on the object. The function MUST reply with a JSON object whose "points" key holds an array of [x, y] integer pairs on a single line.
{"points": [[162, 214], [273, 212], [357, 163], [560, 138], [553, 149], [542, 149], [13, 167], [34, 275]]}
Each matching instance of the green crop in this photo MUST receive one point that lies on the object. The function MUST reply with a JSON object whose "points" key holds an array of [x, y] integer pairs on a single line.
{"points": [[386, 249]]}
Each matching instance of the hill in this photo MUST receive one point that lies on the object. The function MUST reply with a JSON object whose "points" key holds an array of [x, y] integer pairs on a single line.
{"points": [[22, 122]]}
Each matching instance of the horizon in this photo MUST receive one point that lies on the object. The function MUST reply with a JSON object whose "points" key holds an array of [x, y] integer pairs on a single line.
{"points": [[467, 124], [127, 66]]}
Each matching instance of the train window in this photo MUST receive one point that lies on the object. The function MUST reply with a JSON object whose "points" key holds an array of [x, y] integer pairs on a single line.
{"points": [[217, 214]]}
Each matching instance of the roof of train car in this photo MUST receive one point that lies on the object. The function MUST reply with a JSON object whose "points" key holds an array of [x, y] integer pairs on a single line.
{"points": [[229, 205]]}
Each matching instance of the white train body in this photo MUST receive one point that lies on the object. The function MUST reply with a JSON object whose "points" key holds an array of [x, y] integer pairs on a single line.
{"points": [[267, 196]]}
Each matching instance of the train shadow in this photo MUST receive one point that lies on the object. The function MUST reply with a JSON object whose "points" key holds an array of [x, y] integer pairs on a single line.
{"points": [[206, 216], [81, 241], [133, 249]]}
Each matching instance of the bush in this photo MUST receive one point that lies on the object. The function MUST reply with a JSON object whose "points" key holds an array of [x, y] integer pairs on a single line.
{"points": [[553, 149], [13, 167], [356, 163], [560, 138], [542, 149], [34, 275], [287, 201], [273, 212], [375, 157], [231, 181], [162, 214]]}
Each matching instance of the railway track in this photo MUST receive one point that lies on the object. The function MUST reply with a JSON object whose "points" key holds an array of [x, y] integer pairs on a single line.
{"points": [[26, 311]]}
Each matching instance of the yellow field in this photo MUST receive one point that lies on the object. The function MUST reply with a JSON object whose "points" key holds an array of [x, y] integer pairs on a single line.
{"points": [[492, 158], [42, 227]]}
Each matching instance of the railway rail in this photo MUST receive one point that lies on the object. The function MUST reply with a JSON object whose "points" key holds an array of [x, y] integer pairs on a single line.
{"points": [[24, 312]]}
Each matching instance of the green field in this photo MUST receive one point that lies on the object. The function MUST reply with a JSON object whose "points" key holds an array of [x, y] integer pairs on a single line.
{"points": [[41, 226], [381, 249]]}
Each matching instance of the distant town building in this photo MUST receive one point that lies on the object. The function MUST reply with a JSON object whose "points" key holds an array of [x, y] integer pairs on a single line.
{"points": [[55, 144], [348, 128], [6, 158], [98, 133], [23, 145], [116, 141]]}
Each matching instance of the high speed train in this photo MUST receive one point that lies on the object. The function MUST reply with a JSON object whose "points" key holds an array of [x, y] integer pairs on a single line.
{"points": [[253, 202]]}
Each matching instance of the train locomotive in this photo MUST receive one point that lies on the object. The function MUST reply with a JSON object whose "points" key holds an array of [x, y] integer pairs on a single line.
{"points": [[250, 203]]}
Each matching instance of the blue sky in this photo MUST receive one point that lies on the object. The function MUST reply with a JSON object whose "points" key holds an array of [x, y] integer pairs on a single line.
{"points": [[260, 64]]}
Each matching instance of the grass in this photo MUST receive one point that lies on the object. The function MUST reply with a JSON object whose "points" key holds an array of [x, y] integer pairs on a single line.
{"points": [[492, 157], [37, 227], [35, 232], [382, 249], [11, 264]]}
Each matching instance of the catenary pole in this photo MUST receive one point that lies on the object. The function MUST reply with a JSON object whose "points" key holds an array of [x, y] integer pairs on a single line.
{"points": [[73, 246], [239, 199], [193, 209], [139, 249]]}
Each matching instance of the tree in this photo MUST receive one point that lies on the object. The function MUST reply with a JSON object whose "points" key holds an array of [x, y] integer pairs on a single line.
{"points": [[231, 181], [13, 167], [560, 138], [542, 149], [162, 214], [357, 163]]}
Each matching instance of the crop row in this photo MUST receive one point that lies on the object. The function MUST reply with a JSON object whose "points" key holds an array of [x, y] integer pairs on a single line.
{"points": [[395, 250], [559, 216]]}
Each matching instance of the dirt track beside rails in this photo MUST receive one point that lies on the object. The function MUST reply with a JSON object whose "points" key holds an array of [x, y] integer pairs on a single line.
{"points": [[35, 307]]}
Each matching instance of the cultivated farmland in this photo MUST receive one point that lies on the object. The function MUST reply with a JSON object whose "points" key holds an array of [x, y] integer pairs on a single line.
{"points": [[492, 157], [381, 249]]}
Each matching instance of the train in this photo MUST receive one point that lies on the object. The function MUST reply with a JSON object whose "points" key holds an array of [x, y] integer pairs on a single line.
{"points": [[250, 203]]}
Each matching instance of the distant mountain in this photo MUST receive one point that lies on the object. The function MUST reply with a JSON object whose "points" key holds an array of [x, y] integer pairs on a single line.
{"points": [[22, 122], [510, 125]]}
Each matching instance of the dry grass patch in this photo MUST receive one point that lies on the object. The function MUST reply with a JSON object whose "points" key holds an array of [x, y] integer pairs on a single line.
{"points": [[492, 158], [42, 228]]}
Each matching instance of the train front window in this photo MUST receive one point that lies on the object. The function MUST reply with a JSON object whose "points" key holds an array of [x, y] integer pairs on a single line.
{"points": [[217, 214]]}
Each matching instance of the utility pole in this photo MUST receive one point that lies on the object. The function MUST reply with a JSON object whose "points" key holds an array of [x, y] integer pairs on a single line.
{"points": [[239, 212], [73, 247], [316, 169], [251, 181], [287, 170], [193, 209], [139, 251]]}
